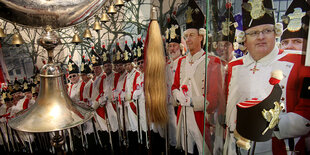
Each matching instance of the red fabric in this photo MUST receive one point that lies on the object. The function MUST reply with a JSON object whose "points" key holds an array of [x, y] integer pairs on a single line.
{"points": [[229, 72], [70, 89], [5, 115], [100, 112], [133, 107], [82, 90], [25, 104], [176, 82], [274, 81], [278, 146], [116, 78], [101, 84], [134, 84], [2, 79]]}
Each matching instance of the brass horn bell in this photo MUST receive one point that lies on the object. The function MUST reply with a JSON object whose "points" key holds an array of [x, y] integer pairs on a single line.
{"points": [[97, 25], [111, 9], [104, 17], [2, 34], [17, 39], [76, 39], [87, 34], [119, 3], [53, 110]]}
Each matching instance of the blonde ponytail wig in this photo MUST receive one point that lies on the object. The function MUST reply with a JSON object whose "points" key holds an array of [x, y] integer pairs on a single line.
{"points": [[155, 76]]}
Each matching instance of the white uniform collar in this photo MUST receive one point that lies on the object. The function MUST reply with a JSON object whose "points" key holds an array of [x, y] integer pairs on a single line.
{"points": [[248, 60], [196, 56]]}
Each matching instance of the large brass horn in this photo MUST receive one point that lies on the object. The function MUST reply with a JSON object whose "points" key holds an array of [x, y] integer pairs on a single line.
{"points": [[53, 109]]}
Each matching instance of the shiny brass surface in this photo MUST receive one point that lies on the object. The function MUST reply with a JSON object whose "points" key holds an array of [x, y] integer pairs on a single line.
{"points": [[2, 34], [97, 25], [104, 17], [56, 13], [76, 38], [53, 110], [111, 9], [119, 3], [87, 34], [17, 39]]}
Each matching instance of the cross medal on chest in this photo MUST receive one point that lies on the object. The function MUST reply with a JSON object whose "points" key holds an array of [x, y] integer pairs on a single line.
{"points": [[191, 62], [254, 69]]}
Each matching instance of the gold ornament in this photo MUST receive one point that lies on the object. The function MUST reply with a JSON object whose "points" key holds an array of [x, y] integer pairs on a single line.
{"points": [[258, 9], [126, 55], [82, 67], [167, 34], [118, 55], [104, 57], [172, 31], [188, 13], [295, 20], [93, 59], [70, 66], [225, 27], [272, 116], [139, 52], [25, 86]]}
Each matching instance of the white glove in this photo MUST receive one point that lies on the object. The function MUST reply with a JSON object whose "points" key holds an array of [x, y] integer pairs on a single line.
{"points": [[95, 105], [181, 99], [122, 95], [137, 93], [103, 100], [115, 93]]}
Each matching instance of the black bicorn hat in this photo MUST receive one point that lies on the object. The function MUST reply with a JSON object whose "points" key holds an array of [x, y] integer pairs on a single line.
{"points": [[173, 30], [26, 85], [106, 57], [72, 67], [128, 55], [118, 54], [140, 50], [257, 12], [134, 49], [85, 66], [227, 26], [194, 16], [251, 123], [95, 57], [296, 20]]}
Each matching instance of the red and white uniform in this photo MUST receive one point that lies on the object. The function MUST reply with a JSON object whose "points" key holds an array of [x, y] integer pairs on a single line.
{"points": [[108, 86], [130, 84], [170, 69], [97, 91], [191, 72], [249, 79], [74, 91]]}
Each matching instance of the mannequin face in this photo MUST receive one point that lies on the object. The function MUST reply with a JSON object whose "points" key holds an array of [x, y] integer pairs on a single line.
{"points": [[224, 50], [128, 66], [140, 64], [97, 70], [193, 40], [262, 44], [107, 68], [74, 78], [294, 44], [174, 50]]}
